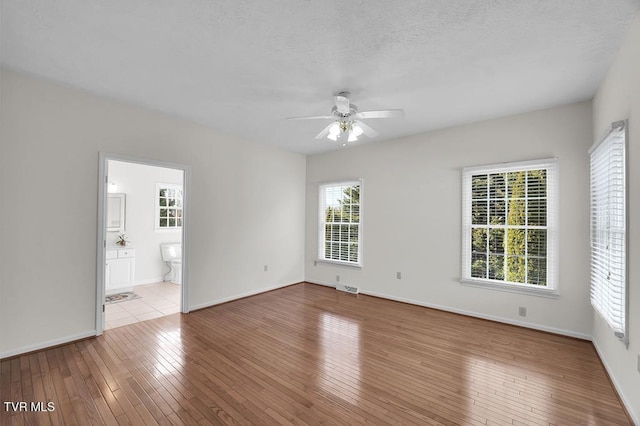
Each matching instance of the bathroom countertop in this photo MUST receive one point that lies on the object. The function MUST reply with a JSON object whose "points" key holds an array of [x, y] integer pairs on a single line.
{"points": [[118, 247]]}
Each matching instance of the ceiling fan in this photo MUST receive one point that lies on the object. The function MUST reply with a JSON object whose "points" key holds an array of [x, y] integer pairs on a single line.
{"points": [[347, 120]]}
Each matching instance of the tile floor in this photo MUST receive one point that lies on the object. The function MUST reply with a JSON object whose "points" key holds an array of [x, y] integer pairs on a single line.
{"points": [[156, 300]]}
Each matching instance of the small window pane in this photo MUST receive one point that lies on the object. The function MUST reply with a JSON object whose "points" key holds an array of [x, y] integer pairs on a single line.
{"points": [[163, 212], [172, 202], [355, 214], [496, 241], [344, 233], [347, 213], [335, 251], [163, 223], [335, 232], [516, 269], [344, 252], [517, 182], [328, 214], [537, 271], [163, 202], [163, 192], [537, 242], [537, 183], [496, 212], [516, 241], [517, 214], [479, 187], [537, 212], [355, 195], [353, 252], [353, 233], [179, 222], [478, 240], [497, 185], [496, 267], [172, 222], [479, 212], [478, 265]]}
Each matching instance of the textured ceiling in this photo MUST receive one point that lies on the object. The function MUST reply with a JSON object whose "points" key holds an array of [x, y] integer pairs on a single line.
{"points": [[242, 66]]}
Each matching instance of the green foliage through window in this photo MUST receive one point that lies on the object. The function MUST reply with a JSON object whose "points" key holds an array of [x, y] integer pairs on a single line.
{"points": [[509, 226]]}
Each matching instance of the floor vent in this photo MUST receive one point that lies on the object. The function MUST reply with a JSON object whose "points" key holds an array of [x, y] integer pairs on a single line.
{"points": [[347, 288]]}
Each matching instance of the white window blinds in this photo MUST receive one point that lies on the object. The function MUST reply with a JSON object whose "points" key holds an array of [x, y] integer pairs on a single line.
{"points": [[608, 229]]}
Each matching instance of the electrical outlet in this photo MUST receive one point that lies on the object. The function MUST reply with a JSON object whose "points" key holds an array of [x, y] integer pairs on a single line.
{"points": [[399, 275], [266, 268], [337, 278], [522, 311]]}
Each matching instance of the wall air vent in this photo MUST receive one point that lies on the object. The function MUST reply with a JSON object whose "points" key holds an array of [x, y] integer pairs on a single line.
{"points": [[347, 288]]}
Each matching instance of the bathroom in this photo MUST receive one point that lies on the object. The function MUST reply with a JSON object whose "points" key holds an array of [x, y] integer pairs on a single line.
{"points": [[143, 274]]}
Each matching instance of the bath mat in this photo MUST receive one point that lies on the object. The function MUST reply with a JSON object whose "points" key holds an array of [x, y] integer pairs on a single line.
{"points": [[120, 297]]}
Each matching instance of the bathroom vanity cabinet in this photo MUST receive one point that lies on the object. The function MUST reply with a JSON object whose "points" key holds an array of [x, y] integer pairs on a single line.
{"points": [[120, 269]]}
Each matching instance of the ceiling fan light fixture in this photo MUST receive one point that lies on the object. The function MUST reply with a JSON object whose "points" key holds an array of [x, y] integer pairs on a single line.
{"points": [[352, 137], [356, 130], [334, 131]]}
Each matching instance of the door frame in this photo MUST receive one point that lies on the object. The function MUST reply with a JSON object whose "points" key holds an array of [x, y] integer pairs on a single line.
{"points": [[101, 240]]}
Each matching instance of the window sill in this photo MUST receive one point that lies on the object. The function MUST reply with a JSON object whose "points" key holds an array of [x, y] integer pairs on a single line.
{"points": [[511, 288], [339, 263], [166, 230]]}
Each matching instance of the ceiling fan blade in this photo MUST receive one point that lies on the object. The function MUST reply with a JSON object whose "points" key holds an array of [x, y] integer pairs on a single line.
{"points": [[368, 131], [385, 113], [342, 102], [313, 117], [323, 134]]}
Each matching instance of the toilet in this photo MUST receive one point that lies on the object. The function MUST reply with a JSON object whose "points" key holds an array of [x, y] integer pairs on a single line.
{"points": [[172, 256]]}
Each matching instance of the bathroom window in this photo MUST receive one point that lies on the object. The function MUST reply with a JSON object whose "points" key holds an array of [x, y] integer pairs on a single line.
{"points": [[168, 206]]}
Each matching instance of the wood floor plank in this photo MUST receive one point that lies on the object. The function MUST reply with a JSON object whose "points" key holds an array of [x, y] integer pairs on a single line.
{"points": [[307, 354]]}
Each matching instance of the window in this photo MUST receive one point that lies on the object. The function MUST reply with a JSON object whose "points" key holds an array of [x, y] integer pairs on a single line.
{"points": [[339, 223], [509, 226], [168, 206], [608, 229]]}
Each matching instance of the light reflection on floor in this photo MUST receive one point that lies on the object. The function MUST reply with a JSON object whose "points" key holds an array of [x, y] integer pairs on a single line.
{"points": [[169, 362], [517, 393], [340, 356]]}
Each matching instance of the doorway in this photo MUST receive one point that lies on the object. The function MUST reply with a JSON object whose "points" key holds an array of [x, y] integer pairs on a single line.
{"points": [[143, 217]]}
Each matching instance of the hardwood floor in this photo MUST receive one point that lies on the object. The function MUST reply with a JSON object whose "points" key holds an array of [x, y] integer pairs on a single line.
{"points": [[311, 354]]}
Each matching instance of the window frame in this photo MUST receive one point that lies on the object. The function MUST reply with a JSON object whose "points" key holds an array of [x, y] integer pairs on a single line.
{"points": [[322, 222], [551, 289], [170, 186], [603, 299]]}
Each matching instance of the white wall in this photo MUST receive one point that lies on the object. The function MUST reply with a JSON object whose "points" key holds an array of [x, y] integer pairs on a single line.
{"points": [[412, 215], [138, 182], [51, 136], [619, 98]]}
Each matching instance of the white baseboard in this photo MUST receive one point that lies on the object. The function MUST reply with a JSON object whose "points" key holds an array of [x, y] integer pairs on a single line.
{"points": [[238, 296], [634, 416], [48, 344], [469, 313]]}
